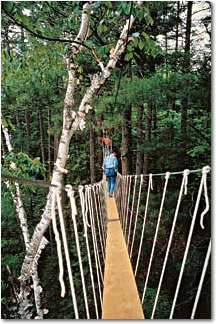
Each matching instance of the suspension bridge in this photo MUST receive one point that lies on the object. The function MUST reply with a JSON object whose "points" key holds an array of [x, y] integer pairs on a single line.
{"points": [[127, 249]]}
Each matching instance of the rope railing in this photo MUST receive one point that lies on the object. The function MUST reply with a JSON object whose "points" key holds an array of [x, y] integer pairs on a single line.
{"points": [[140, 201], [161, 216], [88, 211]]}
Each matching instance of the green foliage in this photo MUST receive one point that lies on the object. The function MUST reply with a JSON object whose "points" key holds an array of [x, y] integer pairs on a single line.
{"points": [[163, 305], [34, 80]]}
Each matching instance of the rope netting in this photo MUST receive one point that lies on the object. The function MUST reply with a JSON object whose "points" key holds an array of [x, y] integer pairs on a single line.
{"points": [[162, 223]]}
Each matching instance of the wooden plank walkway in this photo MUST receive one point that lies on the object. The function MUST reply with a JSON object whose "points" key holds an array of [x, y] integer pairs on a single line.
{"points": [[120, 295]]}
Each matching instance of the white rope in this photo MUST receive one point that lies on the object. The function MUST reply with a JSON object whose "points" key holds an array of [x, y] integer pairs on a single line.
{"points": [[70, 193], [95, 233], [131, 211], [86, 208], [188, 243], [88, 253], [183, 186], [124, 198], [120, 200], [88, 188], [138, 203], [98, 222], [201, 281], [125, 202], [205, 170], [117, 191], [101, 217], [61, 218], [150, 186], [58, 243], [156, 232], [127, 206]]}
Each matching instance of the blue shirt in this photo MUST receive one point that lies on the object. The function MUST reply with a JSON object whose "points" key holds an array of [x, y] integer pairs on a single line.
{"points": [[110, 162]]}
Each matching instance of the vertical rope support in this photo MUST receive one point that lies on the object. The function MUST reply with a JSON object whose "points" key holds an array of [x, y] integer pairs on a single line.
{"points": [[94, 235], [101, 217], [137, 211], [201, 281], [204, 171], [125, 201], [127, 206], [131, 214], [94, 238], [144, 221], [156, 233], [58, 243], [70, 193], [120, 199], [98, 222], [88, 189], [84, 215], [183, 186], [102, 197], [67, 256], [120, 196]]}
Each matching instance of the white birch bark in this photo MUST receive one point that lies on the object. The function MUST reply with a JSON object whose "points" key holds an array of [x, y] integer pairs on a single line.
{"points": [[72, 121], [17, 200]]}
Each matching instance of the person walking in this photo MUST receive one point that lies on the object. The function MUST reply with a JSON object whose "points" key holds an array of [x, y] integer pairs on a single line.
{"points": [[110, 167]]}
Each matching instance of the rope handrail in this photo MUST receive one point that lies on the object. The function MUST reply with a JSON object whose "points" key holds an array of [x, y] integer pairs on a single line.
{"points": [[129, 193], [130, 217]]}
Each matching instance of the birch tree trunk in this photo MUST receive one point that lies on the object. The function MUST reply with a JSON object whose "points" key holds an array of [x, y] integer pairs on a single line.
{"points": [[24, 304], [72, 121]]}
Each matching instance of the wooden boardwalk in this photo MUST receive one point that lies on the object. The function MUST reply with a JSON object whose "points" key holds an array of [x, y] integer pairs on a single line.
{"points": [[120, 295]]}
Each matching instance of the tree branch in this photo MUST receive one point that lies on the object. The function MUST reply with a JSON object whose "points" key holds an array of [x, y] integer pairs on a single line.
{"points": [[201, 134], [42, 36]]}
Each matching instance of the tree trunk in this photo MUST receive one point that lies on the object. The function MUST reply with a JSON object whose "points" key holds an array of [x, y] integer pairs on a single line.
{"points": [[177, 26], [49, 143], [72, 121], [147, 137], [20, 130], [186, 70], [56, 146], [28, 128], [92, 149], [41, 127], [126, 140], [25, 310], [139, 156]]}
